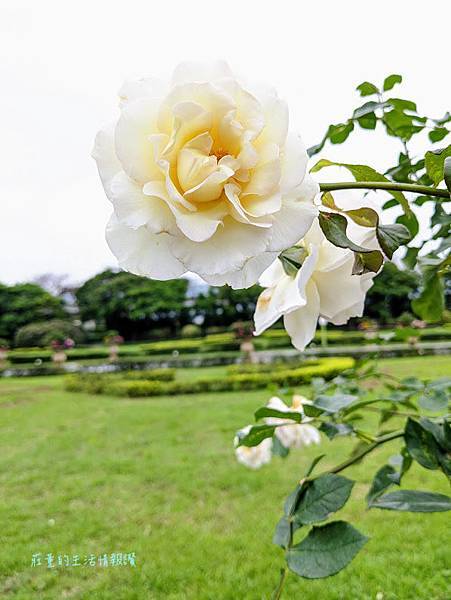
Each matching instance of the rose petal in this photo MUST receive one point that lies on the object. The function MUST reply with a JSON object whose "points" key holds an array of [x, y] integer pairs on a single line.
{"points": [[136, 123], [143, 253], [104, 154], [135, 209], [301, 324]]}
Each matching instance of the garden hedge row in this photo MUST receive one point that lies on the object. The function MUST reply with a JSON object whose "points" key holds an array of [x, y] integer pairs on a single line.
{"points": [[270, 367], [327, 368], [96, 383], [226, 342]]}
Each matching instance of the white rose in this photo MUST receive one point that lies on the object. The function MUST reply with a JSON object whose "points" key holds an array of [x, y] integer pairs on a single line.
{"points": [[203, 177], [323, 286], [293, 435], [253, 457]]}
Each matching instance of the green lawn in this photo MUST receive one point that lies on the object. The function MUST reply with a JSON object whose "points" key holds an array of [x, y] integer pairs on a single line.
{"points": [[86, 474]]}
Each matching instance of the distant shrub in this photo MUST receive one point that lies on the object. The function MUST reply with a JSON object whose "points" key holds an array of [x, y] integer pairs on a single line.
{"points": [[270, 367], [405, 319], [170, 346], [191, 331], [150, 374], [42, 333], [99, 383]]}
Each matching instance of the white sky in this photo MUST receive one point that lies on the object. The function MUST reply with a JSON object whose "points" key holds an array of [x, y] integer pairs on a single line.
{"points": [[62, 62]]}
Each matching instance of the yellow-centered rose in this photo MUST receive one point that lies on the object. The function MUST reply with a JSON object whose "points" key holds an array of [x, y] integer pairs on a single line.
{"points": [[203, 177]]}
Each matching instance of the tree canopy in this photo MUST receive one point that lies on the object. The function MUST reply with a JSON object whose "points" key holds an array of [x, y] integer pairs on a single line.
{"points": [[391, 293], [26, 303], [131, 304]]}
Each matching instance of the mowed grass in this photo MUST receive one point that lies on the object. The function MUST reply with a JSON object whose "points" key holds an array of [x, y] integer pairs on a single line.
{"points": [[84, 474]]}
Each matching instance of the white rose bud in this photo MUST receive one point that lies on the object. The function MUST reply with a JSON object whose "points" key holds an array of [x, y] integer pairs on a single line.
{"points": [[293, 435], [253, 457]]}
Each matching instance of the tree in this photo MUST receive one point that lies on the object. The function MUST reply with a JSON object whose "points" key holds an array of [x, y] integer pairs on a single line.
{"points": [[391, 293], [130, 304], [224, 305], [26, 303]]}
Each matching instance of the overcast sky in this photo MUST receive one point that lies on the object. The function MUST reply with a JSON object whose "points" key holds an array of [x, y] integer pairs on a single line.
{"points": [[61, 64]]}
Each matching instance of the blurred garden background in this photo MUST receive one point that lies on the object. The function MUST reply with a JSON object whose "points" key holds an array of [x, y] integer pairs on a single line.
{"points": [[120, 396], [96, 457]]}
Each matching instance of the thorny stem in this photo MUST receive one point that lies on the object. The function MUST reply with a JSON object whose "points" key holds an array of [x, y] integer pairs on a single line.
{"points": [[353, 459], [385, 185]]}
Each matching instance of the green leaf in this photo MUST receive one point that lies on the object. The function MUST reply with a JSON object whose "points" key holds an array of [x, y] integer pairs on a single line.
{"points": [[367, 108], [410, 259], [447, 173], [311, 411], [381, 482], [334, 227], [265, 411], [292, 259], [438, 134], [413, 501], [399, 124], [313, 464], [364, 216], [292, 500], [363, 173], [334, 403], [391, 237], [326, 550], [367, 89], [434, 400], [256, 435], [391, 81], [333, 430], [339, 133], [282, 532], [368, 121], [434, 163], [401, 104], [410, 222], [421, 445], [404, 462], [389, 204], [321, 497], [278, 449], [368, 262]]}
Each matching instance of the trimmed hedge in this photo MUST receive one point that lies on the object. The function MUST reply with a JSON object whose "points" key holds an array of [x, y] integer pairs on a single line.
{"points": [[327, 368], [169, 346], [20, 357], [97, 383], [270, 367]]}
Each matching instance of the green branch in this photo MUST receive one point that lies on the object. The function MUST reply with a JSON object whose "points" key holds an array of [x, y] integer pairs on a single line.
{"points": [[353, 459], [385, 185]]}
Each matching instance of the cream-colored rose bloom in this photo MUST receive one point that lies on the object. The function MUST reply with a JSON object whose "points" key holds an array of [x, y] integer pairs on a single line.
{"points": [[203, 177], [293, 435], [323, 286], [253, 457]]}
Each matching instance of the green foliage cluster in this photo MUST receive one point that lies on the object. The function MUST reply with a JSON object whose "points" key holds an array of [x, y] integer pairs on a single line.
{"points": [[130, 304], [339, 408], [419, 175], [41, 334], [26, 303]]}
